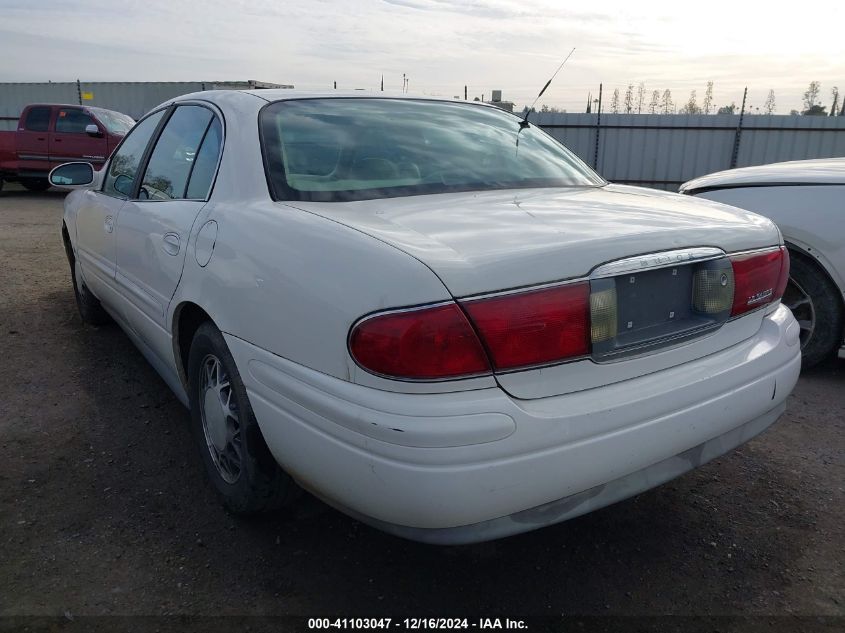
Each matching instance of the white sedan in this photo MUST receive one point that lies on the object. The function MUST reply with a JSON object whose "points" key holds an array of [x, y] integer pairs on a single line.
{"points": [[806, 198], [428, 313]]}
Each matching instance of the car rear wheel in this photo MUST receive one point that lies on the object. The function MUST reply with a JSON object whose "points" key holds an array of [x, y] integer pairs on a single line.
{"points": [[238, 462], [35, 184], [815, 304]]}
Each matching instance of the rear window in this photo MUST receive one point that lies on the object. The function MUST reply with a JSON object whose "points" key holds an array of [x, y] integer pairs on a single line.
{"points": [[38, 119], [362, 148]]}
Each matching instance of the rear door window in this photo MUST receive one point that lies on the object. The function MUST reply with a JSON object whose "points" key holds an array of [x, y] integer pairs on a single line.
{"points": [[172, 160], [38, 119], [205, 164]]}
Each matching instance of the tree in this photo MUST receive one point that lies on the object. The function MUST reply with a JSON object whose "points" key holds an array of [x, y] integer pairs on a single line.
{"points": [[629, 99], [769, 106], [614, 102], [815, 110], [655, 102], [835, 94], [691, 106], [731, 109], [666, 104], [640, 97], [707, 105], [811, 97]]}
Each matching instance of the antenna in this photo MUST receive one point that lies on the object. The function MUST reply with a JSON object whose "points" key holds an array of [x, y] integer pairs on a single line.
{"points": [[548, 83]]}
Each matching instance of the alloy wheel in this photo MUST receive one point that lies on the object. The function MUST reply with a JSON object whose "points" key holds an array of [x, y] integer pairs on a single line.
{"points": [[796, 299], [220, 419]]}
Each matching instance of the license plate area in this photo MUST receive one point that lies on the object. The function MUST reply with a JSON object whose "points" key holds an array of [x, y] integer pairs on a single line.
{"points": [[656, 308]]}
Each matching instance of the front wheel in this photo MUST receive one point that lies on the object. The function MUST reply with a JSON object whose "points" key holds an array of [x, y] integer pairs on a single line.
{"points": [[816, 305], [90, 308], [238, 462]]}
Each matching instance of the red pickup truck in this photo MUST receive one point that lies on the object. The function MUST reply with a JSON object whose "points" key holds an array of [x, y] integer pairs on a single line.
{"points": [[49, 135]]}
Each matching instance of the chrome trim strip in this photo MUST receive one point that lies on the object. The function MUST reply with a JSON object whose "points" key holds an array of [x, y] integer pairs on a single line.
{"points": [[753, 251], [379, 313], [654, 261], [521, 290]]}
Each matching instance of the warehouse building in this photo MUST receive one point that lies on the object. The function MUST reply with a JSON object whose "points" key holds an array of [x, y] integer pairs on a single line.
{"points": [[134, 98]]}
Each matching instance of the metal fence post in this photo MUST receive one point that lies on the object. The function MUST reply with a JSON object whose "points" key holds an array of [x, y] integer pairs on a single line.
{"points": [[598, 132], [79, 91], [739, 130]]}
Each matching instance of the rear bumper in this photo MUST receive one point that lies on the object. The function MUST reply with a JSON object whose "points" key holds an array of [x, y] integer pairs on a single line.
{"points": [[583, 502], [471, 466]]}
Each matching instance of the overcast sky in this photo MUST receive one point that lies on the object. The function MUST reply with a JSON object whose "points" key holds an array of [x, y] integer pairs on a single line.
{"points": [[441, 45]]}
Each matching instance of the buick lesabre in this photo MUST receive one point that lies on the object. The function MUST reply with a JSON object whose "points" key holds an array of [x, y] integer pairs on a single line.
{"points": [[428, 313]]}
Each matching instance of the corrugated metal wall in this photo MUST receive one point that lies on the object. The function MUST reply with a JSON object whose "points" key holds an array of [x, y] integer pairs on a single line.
{"points": [[664, 151], [132, 98]]}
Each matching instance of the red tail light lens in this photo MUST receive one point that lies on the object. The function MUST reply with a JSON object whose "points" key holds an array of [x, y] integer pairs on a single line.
{"points": [[425, 344], [535, 327], [759, 278]]}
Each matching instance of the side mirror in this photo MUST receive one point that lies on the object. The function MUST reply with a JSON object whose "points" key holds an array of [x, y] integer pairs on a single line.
{"points": [[72, 176], [92, 130]]}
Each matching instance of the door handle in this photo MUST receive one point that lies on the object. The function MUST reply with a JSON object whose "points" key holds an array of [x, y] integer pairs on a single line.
{"points": [[170, 243], [108, 224]]}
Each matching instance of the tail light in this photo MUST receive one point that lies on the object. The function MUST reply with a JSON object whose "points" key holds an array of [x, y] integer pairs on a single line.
{"points": [[535, 327], [518, 330], [546, 326], [759, 279], [713, 288], [424, 344]]}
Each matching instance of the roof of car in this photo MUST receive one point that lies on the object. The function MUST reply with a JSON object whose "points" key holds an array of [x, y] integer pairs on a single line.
{"points": [[796, 172], [284, 94]]}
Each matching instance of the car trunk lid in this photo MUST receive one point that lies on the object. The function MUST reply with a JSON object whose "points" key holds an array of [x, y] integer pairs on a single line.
{"points": [[645, 247], [480, 242]]}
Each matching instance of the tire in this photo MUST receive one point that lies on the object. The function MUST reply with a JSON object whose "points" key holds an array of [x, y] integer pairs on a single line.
{"points": [[817, 305], [244, 473], [90, 308], [35, 184]]}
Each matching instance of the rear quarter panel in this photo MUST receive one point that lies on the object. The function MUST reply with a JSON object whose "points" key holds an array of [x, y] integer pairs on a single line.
{"points": [[293, 283], [289, 281]]}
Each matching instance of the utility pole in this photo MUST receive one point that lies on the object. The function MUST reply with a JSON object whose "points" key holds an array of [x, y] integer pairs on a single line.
{"points": [[382, 83], [465, 93], [335, 85]]}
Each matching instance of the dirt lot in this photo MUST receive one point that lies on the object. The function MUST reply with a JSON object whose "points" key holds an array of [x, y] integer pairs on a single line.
{"points": [[104, 510]]}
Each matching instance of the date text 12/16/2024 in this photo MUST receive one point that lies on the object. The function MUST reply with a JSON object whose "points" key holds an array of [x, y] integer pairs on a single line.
{"points": [[416, 624]]}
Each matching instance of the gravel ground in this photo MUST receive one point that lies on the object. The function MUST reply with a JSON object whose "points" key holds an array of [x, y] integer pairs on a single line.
{"points": [[104, 509]]}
